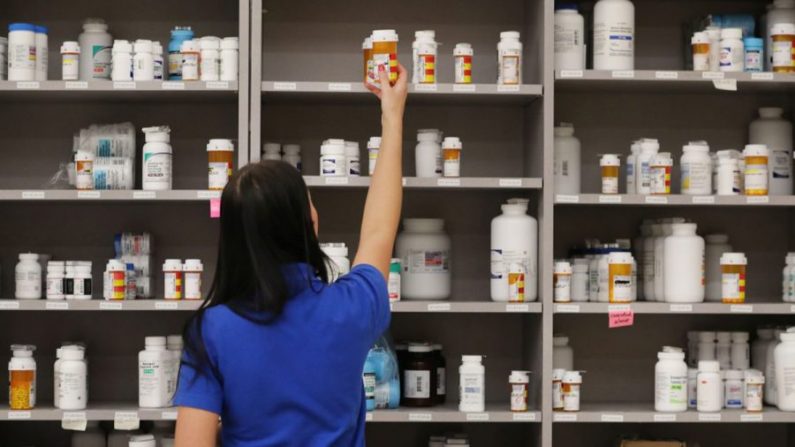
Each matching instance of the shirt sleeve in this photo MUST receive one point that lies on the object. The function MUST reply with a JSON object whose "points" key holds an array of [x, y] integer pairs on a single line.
{"points": [[368, 288], [195, 390]]}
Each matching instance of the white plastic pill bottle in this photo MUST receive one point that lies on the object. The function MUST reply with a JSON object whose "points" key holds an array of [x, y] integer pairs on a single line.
{"points": [[72, 380], [157, 159], [670, 381], [514, 255], [153, 367], [709, 388], [614, 35], [28, 277], [567, 160], [472, 383], [424, 249], [569, 38]]}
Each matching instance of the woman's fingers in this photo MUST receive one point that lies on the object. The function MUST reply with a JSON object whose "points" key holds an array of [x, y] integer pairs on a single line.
{"points": [[375, 90]]}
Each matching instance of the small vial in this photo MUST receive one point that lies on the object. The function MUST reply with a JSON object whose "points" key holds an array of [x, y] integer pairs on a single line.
{"points": [[192, 271], [519, 382], [756, 169], [172, 272], [393, 282], [562, 281], [463, 54], [190, 60], [70, 61], [660, 173], [509, 59], [570, 388], [700, 45], [451, 153], [733, 280], [610, 165]]}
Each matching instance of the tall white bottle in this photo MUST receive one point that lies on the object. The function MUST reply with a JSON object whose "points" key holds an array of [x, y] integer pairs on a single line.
{"points": [[717, 244], [614, 35], [154, 366], [569, 38], [785, 371], [684, 265], [775, 132], [156, 171], [567, 160], [514, 254]]}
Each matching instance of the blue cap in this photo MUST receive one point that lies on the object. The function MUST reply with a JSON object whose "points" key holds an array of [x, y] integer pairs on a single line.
{"points": [[41, 29], [753, 41], [570, 6], [21, 27]]}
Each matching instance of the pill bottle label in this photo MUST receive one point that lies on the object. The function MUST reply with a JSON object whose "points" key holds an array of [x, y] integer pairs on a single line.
{"points": [[115, 286], [152, 380], [621, 288], [671, 390], [516, 284], [731, 59], [219, 174], [441, 381], [157, 170], [22, 57], [753, 397], [510, 71], [780, 164], [332, 166], [190, 66], [734, 395], [691, 393], [733, 286], [701, 61], [571, 397], [55, 287], [452, 164], [386, 60], [463, 69], [557, 395], [696, 178], [70, 67], [173, 285], [369, 385], [102, 57], [471, 389], [85, 174], [562, 288], [71, 388], [193, 286], [519, 397], [393, 286], [502, 260], [82, 287], [354, 167], [753, 60], [209, 68], [437, 261], [22, 389], [425, 64], [609, 185], [418, 384], [175, 64], [28, 283], [660, 180], [756, 179], [782, 53]]}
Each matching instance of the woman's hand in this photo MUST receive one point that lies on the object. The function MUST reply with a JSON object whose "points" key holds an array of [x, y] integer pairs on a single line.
{"points": [[393, 98]]}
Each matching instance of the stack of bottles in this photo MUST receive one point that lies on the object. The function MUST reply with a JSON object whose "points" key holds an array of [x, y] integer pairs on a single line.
{"points": [[290, 153], [380, 50], [764, 167], [603, 272], [133, 262], [161, 435], [436, 156], [158, 371], [566, 381], [25, 51], [104, 157], [70, 377], [70, 280], [613, 42], [339, 158]]}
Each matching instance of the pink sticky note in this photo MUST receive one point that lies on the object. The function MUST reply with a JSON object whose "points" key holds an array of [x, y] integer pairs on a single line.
{"points": [[215, 208], [620, 318]]}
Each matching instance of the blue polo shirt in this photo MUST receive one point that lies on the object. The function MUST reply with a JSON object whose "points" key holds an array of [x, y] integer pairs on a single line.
{"points": [[296, 381]]}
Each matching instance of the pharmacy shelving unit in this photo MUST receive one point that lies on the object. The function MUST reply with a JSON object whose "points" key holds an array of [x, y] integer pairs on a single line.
{"points": [[306, 87], [38, 121], [660, 99]]}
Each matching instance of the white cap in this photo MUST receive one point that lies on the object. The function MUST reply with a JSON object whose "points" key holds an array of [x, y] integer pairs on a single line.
{"points": [[160, 134], [172, 265], [271, 148], [72, 354], [731, 33], [609, 160], [560, 340], [291, 149], [724, 337], [425, 34], [23, 350], [463, 49], [193, 265], [333, 147], [428, 135], [420, 347], [333, 249], [696, 146], [699, 38], [649, 145], [706, 336], [564, 130], [143, 46], [157, 48], [384, 35], [734, 374], [70, 47], [452, 143], [562, 267], [351, 148], [619, 257], [572, 377], [220, 144], [471, 358], [787, 29], [115, 265], [189, 46], [510, 35], [671, 355], [519, 377], [230, 43], [754, 377], [95, 24], [708, 366], [210, 43], [557, 374], [28, 257], [755, 150], [733, 259], [122, 46], [155, 341]]}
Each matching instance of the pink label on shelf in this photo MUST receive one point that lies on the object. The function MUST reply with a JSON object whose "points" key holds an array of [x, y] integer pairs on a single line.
{"points": [[215, 208], [620, 318]]}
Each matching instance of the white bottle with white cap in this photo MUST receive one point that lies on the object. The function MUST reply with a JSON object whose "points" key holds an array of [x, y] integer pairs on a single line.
{"points": [[157, 165], [567, 160], [648, 149], [153, 369], [122, 61], [158, 61], [670, 381], [338, 258], [732, 50], [28, 277], [424, 57], [292, 155], [775, 132], [614, 35], [472, 384], [210, 58], [428, 153], [785, 371], [709, 387], [72, 379], [70, 61], [192, 275], [509, 59], [229, 58], [143, 61]]}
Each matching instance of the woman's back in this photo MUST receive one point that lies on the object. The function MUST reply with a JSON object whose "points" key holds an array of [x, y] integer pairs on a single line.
{"points": [[298, 380]]}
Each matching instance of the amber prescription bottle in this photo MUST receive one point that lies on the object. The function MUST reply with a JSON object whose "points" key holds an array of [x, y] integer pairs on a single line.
{"points": [[385, 48], [732, 277], [610, 166], [220, 153], [783, 37], [756, 169], [367, 54], [619, 277]]}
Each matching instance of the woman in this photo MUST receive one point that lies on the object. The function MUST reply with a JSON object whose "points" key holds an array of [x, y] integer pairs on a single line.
{"points": [[275, 352]]}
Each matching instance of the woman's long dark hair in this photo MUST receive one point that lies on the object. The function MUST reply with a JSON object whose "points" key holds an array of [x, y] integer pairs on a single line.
{"points": [[266, 224]]}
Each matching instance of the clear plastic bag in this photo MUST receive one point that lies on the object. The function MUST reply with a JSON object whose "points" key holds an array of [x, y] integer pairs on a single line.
{"points": [[382, 361]]}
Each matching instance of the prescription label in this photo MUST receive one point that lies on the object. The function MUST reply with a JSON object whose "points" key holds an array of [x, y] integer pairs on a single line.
{"points": [[428, 261]]}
